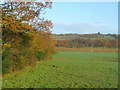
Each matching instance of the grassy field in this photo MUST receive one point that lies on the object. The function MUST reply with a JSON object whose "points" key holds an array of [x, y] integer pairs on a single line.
{"points": [[108, 50], [69, 69]]}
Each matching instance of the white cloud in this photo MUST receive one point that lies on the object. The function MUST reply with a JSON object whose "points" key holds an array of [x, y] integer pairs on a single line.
{"points": [[82, 27]]}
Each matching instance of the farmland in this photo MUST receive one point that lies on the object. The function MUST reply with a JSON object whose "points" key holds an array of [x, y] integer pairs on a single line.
{"points": [[65, 52], [69, 68]]}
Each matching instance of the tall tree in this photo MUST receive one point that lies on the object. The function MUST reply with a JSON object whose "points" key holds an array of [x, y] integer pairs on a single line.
{"points": [[24, 33], [26, 12]]}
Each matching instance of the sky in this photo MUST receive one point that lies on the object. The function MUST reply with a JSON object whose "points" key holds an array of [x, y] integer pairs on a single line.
{"points": [[83, 17]]}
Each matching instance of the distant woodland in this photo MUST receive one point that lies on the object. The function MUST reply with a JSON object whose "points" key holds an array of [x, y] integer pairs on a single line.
{"points": [[87, 40]]}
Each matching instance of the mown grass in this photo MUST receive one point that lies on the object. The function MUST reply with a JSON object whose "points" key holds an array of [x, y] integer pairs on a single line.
{"points": [[69, 69]]}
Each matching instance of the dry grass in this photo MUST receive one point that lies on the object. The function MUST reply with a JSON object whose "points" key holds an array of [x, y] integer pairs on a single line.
{"points": [[88, 49]]}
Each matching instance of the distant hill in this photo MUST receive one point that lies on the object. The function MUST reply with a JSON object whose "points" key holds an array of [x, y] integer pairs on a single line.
{"points": [[85, 36]]}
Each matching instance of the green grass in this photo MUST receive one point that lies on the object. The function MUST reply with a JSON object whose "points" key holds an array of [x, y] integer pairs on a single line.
{"points": [[69, 70]]}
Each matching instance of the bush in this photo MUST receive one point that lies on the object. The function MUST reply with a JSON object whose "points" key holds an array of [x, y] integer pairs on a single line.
{"points": [[40, 56], [21, 57], [6, 61]]}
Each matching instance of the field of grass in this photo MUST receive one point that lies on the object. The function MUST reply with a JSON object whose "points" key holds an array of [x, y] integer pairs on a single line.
{"points": [[69, 69], [107, 50]]}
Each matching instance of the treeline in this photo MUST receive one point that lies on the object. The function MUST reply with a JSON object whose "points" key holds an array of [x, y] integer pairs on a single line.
{"points": [[85, 36], [26, 38], [78, 43]]}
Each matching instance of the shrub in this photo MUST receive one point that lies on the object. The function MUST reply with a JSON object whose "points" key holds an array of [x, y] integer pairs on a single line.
{"points": [[6, 61], [40, 55]]}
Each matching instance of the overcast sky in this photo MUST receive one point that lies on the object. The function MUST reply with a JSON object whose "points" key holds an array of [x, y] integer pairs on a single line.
{"points": [[84, 17]]}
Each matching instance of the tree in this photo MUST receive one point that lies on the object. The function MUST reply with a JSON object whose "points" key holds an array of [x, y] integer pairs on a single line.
{"points": [[99, 33], [28, 13], [26, 33]]}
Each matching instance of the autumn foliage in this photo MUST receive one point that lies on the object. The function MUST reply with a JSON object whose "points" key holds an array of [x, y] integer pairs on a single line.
{"points": [[26, 36], [80, 43]]}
